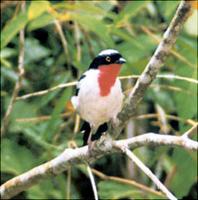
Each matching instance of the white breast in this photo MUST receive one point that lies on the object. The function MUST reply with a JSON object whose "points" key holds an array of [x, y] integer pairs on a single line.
{"points": [[94, 108]]}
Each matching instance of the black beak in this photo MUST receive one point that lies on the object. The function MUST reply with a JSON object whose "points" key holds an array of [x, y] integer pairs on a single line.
{"points": [[121, 61]]}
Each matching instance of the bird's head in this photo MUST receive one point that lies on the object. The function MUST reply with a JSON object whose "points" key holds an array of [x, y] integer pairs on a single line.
{"points": [[107, 58]]}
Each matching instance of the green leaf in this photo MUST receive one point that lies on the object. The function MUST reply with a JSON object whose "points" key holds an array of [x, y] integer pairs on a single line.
{"points": [[51, 188], [191, 24], [167, 8], [130, 10], [5, 63], [34, 134], [34, 51], [162, 97], [115, 190], [40, 21], [186, 105], [82, 7], [12, 28], [54, 122], [60, 79], [97, 26], [186, 173], [10, 163], [9, 74], [23, 109], [37, 8], [8, 52], [140, 46], [188, 49]]}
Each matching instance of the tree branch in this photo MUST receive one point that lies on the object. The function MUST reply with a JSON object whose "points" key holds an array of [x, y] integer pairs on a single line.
{"points": [[42, 92], [149, 173], [157, 60], [73, 83], [21, 72], [93, 183], [80, 155], [127, 182]]}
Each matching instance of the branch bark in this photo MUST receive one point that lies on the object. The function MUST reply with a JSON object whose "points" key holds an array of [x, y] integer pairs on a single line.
{"points": [[157, 60], [80, 155]]}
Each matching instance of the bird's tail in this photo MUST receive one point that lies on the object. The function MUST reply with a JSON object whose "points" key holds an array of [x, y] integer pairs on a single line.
{"points": [[86, 128]]}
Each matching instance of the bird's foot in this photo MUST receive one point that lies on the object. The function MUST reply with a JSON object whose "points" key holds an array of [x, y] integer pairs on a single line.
{"points": [[90, 147]]}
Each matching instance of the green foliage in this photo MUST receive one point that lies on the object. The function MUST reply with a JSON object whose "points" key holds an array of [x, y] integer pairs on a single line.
{"points": [[186, 165], [40, 21], [129, 11], [12, 28], [117, 190], [34, 51], [53, 122], [48, 189], [10, 163], [37, 132], [36, 9]]}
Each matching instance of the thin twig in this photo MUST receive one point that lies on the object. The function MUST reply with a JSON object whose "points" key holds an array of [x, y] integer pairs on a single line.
{"points": [[77, 125], [93, 184], [171, 88], [77, 39], [166, 76], [126, 181], [63, 40], [21, 72], [191, 131], [41, 118], [42, 92], [172, 117], [149, 173], [156, 139], [163, 124], [73, 83], [68, 183], [170, 176], [138, 117]]}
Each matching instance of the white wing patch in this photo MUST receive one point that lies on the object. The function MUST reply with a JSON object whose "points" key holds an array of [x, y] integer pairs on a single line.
{"points": [[74, 101]]}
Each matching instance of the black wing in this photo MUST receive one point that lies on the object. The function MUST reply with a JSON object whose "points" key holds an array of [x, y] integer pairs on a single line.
{"points": [[77, 88], [86, 131]]}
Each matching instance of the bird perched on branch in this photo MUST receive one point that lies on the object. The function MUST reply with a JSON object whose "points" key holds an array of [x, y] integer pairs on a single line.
{"points": [[99, 95]]}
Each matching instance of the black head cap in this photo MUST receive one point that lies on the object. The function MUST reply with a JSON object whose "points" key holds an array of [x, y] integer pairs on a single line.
{"points": [[106, 57]]}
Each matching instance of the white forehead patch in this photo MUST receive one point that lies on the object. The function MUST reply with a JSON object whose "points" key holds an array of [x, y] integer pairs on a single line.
{"points": [[107, 52]]}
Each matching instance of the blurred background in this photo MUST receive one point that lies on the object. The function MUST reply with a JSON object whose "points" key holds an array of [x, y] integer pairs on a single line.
{"points": [[61, 39]]}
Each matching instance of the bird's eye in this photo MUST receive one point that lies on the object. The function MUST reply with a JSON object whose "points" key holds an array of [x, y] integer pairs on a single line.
{"points": [[108, 59]]}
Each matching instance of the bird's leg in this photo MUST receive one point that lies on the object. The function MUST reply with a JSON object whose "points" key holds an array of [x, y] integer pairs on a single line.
{"points": [[89, 141]]}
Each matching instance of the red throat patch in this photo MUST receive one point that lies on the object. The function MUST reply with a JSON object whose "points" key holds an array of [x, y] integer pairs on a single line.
{"points": [[107, 77]]}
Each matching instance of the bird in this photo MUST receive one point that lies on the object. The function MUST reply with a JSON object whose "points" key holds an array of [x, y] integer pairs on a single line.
{"points": [[99, 98]]}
